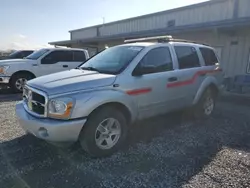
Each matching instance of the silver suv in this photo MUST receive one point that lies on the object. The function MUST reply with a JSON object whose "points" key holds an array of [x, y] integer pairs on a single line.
{"points": [[96, 102]]}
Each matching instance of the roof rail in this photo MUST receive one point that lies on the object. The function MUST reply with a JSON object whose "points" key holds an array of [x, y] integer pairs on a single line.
{"points": [[156, 39], [162, 39]]}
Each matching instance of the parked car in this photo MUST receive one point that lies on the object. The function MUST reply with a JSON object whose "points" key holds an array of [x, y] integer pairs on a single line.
{"points": [[16, 72], [20, 54], [96, 103]]}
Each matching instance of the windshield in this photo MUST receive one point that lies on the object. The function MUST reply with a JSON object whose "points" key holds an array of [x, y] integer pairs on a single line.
{"points": [[35, 55], [112, 60]]}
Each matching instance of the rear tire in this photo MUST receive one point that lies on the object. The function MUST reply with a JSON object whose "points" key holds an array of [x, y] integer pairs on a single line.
{"points": [[18, 81], [205, 107], [104, 133]]}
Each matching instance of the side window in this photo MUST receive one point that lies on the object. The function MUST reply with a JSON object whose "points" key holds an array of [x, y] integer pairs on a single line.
{"points": [[187, 57], [79, 56], [22, 55], [157, 60], [209, 56], [58, 56], [19, 55], [26, 53]]}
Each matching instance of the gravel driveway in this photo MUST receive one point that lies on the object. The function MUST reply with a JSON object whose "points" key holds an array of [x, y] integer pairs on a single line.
{"points": [[167, 151]]}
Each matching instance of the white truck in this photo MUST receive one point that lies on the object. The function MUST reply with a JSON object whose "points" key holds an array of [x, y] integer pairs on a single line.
{"points": [[16, 72]]}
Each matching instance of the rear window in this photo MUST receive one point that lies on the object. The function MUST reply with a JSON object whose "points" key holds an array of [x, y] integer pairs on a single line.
{"points": [[209, 56], [187, 57]]}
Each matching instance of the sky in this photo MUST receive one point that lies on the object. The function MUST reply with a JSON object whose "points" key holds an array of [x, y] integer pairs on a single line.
{"points": [[31, 24]]}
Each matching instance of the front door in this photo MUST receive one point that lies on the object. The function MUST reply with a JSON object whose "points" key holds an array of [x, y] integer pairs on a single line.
{"points": [[150, 88], [56, 61]]}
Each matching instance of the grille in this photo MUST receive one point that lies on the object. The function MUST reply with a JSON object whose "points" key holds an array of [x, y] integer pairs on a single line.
{"points": [[35, 101]]}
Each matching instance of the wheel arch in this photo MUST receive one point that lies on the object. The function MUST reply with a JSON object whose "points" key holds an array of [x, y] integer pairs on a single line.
{"points": [[117, 105], [22, 72], [210, 82]]}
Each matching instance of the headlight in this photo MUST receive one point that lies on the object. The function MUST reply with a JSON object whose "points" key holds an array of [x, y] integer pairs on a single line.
{"points": [[60, 108], [3, 69]]}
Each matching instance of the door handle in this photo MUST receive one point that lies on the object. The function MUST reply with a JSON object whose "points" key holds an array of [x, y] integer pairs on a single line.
{"points": [[172, 79], [65, 66]]}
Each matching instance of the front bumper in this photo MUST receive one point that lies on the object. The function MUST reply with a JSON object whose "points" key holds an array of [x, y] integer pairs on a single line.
{"points": [[4, 79], [49, 129]]}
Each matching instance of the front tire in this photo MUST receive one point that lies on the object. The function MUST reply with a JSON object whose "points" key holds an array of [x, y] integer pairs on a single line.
{"points": [[18, 81], [104, 133]]}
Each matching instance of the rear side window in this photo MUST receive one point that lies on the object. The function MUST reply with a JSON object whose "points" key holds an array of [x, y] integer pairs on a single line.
{"points": [[79, 56], [209, 56], [187, 57]]}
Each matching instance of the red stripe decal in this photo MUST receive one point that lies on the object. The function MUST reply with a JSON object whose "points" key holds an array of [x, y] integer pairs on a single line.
{"points": [[139, 91], [192, 80]]}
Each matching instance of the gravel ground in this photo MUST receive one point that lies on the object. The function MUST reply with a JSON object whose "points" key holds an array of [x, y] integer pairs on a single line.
{"points": [[167, 151]]}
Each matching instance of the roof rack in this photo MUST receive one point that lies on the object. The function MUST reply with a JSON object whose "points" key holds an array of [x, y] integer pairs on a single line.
{"points": [[156, 39], [161, 39]]}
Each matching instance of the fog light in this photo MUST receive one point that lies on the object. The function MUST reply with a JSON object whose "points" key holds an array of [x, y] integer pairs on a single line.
{"points": [[43, 132]]}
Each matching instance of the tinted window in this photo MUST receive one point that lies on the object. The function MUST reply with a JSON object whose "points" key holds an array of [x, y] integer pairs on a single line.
{"points": [[157, 60], [187, 57], [26, 53], [79, 56], [57, 56], [112, 60], [209, 56]]}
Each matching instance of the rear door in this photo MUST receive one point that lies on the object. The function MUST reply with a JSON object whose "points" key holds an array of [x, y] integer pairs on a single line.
{"points": [[149, 89], [188, 75]]}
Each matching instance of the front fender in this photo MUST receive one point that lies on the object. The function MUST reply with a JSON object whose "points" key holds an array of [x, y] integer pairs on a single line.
{"points": [[205, 84], [19, 67], [84, 106]]}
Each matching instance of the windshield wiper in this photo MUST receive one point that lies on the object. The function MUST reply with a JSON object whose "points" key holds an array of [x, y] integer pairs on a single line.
{"points": [[89, 68]]}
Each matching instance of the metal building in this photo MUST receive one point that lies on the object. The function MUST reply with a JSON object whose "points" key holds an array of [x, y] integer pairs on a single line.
{"points": [[224, 24]]}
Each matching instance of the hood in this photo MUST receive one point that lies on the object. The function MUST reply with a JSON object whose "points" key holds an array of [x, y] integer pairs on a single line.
{"points": [[14, 61], [70, 81]]}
